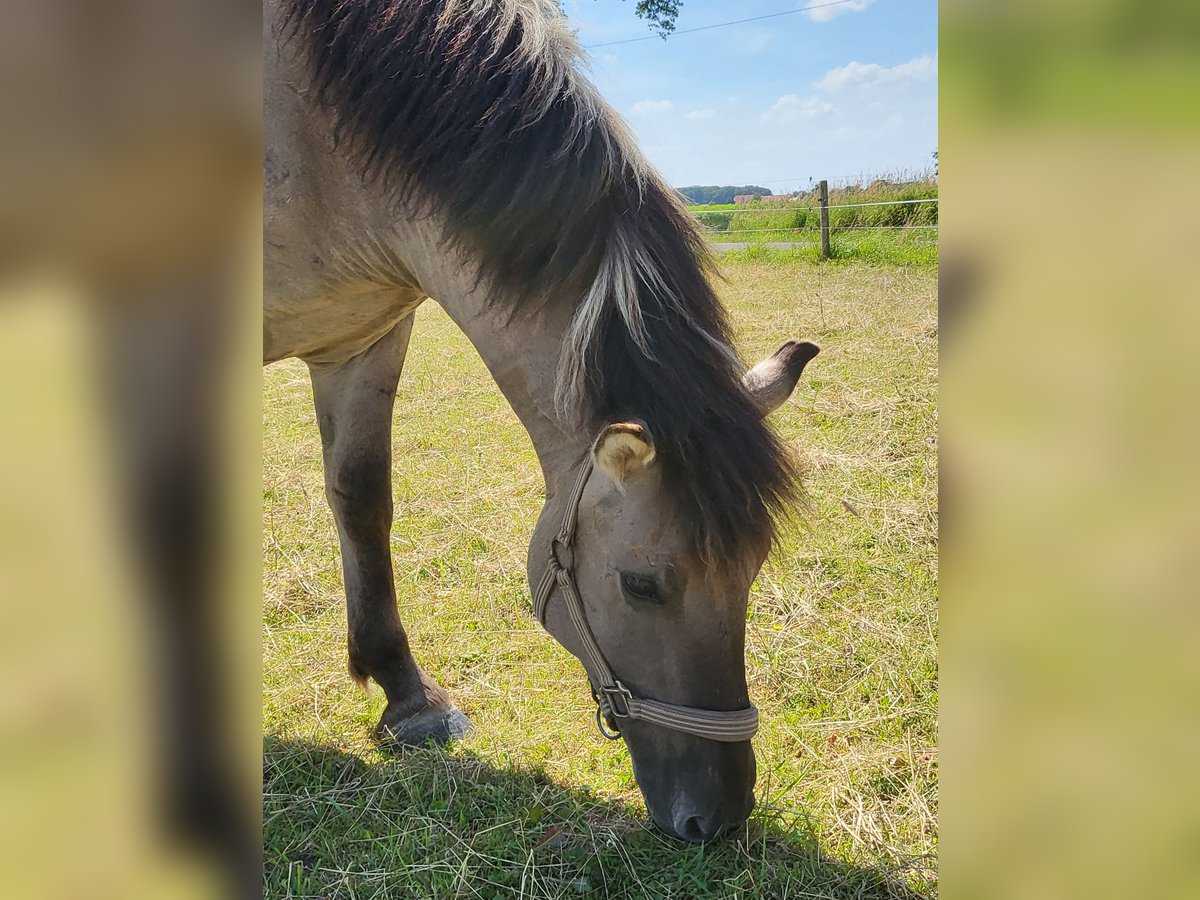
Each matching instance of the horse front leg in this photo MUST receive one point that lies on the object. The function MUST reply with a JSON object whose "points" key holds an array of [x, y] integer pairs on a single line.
{"points": [[354, 402]]}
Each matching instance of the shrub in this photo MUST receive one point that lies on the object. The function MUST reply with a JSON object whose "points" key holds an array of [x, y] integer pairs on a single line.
{"points": [[715, 221]]}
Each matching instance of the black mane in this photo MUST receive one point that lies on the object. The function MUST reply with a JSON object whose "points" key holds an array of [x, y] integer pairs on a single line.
{"points": [[474, 111]]}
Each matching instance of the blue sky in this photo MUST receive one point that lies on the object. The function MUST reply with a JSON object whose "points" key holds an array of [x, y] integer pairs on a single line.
{"points": [[842, 91]]}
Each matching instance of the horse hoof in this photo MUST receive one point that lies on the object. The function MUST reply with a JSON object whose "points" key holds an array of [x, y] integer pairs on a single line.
{"points": [[437, 726]]}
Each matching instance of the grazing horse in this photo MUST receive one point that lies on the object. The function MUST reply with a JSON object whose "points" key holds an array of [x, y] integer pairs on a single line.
{"points": [[451, 150]]}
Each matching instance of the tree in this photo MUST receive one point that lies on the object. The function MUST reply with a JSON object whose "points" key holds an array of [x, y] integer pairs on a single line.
{"points": [[661, 14], [720, 193]]}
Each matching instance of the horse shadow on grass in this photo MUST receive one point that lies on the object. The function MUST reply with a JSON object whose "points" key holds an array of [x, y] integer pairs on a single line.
{"points": [[429, 823]]}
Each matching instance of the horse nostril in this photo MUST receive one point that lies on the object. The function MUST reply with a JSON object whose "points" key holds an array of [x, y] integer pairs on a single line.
{"points": [[698, 829]]}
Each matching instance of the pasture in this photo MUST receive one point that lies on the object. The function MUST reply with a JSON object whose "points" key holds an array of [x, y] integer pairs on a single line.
{"points": [[880, 222], [841, 647]]}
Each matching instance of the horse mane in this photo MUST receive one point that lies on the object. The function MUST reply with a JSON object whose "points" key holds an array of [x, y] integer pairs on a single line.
{"points": [[474, 111]]}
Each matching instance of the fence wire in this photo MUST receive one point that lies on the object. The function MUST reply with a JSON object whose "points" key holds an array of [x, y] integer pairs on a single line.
{"points": [[811, 207], [743, 235], [832, 229]]}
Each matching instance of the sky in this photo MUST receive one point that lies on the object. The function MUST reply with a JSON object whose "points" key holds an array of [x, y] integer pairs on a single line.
{"points": [[838, 92]]}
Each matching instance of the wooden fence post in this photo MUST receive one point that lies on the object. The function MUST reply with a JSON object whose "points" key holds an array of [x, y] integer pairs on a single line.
{"points": [[824, 196]]}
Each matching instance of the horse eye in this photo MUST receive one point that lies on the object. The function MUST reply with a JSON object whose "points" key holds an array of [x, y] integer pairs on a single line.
{"points": [[640, 587]]}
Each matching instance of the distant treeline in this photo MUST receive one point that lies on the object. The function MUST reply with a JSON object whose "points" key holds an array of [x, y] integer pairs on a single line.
{"points": [[719, 193]]}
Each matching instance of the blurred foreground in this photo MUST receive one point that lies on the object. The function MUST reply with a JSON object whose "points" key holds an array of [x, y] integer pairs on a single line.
{"points": [[129, 389], [1070, 716], [129, 500]]}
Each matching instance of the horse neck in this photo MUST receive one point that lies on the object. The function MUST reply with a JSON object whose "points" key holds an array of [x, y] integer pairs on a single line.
{"points": [[521, 352]]}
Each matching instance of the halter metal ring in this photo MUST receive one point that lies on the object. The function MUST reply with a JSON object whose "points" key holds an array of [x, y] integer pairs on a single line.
{"points": [[611, 735]]}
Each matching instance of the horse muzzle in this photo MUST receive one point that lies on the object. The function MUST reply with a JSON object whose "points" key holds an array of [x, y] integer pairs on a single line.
{"points": [[696, 790]]}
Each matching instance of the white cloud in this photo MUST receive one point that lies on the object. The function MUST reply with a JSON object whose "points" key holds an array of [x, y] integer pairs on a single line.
{"points": [[793, 108], [651, 107], [868, 76], [699, 115], [819, 12]]}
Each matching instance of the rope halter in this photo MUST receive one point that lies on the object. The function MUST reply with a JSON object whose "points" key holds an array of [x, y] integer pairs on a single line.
{"points": [[614, 701]]}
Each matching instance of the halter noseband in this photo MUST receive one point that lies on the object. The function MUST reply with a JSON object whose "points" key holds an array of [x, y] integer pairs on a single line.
{"points": [[614, 701]]}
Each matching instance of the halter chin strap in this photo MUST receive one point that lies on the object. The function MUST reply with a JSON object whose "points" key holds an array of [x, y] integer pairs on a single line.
{"points": [[614, 701]]}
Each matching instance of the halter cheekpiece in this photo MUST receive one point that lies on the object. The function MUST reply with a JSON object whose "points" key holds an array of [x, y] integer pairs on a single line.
{"points": [[614, 701]]}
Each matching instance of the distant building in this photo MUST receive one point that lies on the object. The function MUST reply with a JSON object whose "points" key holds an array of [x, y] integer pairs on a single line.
{"points": [[746, 198]]}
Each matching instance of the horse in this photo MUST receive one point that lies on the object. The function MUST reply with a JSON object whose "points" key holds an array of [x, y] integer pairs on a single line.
{"points": [[453, 150]]}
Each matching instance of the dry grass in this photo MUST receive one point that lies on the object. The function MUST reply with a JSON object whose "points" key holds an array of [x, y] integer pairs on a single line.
{"points": [[841, 646]]}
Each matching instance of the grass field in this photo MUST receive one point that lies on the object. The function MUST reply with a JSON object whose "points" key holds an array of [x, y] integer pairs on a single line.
{"points": [[899, 233], [842, 649]]}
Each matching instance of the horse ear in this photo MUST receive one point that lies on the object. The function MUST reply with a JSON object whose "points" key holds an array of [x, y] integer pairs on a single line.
{"points": [[623, 449], [772, 381]]}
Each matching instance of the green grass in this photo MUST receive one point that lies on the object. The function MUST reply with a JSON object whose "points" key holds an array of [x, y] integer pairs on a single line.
{"points": [[875, 247], [903, 233], [841, 639]]}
